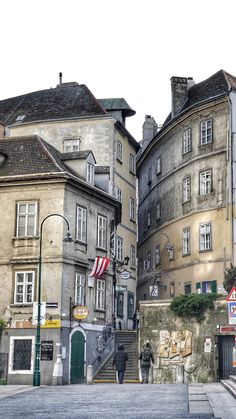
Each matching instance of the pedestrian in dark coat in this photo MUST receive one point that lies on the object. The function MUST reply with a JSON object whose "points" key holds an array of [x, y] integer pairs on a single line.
{"points": [[146, 357], [119, 360]]}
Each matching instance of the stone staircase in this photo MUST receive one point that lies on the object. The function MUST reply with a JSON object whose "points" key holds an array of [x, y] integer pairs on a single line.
{"points": [[230, 385], [129, 339]]}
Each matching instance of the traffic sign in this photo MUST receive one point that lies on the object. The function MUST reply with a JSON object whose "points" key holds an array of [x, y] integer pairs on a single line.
{"points": [[153, 291], [232, 295], [232, 312]]}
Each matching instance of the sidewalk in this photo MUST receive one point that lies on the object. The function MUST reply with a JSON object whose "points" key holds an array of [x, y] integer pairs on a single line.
{"points": [[11, 390], [211, 398]]}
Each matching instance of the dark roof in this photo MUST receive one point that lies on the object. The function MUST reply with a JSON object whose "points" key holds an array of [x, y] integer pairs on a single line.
{"points": [[68, 100], [76, 155], [115, 104], [29, 155]]}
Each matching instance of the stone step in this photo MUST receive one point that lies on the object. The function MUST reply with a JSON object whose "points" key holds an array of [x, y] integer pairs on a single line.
{"points": [[230, 386], [232, 378]]}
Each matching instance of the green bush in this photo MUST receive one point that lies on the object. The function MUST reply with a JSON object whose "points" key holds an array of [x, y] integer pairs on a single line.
{"points": [[192, 304]]}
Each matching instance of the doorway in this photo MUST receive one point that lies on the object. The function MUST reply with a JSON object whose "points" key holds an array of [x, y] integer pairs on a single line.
{"points": [[225, 345], [77, 358]]}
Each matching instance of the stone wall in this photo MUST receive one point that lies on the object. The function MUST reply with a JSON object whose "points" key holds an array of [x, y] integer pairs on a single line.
{"points": [[182, 345]]}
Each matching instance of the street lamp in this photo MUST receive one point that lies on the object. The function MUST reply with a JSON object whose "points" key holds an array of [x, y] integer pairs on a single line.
{"points": [[67, 238]]}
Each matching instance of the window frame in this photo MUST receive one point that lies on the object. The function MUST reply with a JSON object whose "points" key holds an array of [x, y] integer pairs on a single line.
{"points": [[186, 189], [76, 143], [26, 216], [119, 249], [158, 210], [90, 173], [130, 312], [80, 288], [186, 241], [205, 185], [132, 163], [158, 165], [100, 302], [24, 285], [81, 224], [119, 312], [11, 354], [157, 255], [119, 151], [205, 249], [132, 209], [101, 232], [132, 257], [204, 132], [187, 141]]}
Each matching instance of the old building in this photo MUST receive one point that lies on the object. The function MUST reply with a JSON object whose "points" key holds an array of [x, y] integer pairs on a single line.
{"points": [[71, 119], [43, 194], [186, 179]]}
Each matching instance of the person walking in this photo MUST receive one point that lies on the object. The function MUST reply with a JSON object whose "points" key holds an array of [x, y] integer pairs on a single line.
{"points": [[146, 357], [119, 360]]}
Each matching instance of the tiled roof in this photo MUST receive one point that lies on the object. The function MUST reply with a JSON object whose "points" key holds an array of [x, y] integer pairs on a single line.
{"points": [[69, 100], [80, 155], [115, 104], [29, 155], [219, 84]]}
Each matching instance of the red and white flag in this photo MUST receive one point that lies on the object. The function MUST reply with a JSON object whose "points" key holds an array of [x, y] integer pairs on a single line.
{"points": [[100, 265]]}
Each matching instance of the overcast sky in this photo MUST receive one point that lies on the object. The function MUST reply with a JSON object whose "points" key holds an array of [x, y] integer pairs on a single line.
{"points": [[118, 48]]}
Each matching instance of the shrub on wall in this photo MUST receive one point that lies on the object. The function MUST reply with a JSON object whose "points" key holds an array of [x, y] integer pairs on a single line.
{"points": [[192, 304]]}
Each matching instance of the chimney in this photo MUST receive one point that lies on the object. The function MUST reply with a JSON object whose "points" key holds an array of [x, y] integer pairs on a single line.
{"points": [[149, 128], [60, 79], [179, 94]]}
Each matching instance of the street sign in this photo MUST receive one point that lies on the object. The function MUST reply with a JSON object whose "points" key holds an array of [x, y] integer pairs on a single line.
{"points": [[232, 312], [227, 329], [232, 295], [125, 275], [42, 313], [80, 312], [153, 291]]}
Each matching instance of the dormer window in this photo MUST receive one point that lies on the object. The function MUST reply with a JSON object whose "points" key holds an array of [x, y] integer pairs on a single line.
{"points": [[72, 145], [90, 173], [20, 118]]}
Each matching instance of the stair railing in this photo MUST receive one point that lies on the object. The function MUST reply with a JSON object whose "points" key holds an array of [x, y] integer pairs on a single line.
{"points": [[105, 347]]}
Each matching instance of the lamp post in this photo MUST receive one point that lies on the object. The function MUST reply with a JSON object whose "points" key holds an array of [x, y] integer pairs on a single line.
{"points": [[117, 264], [67, 238]]}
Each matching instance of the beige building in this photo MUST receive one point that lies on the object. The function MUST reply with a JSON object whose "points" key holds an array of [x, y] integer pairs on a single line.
{"points": [[187, 192], [43, 194], [71, 119]]}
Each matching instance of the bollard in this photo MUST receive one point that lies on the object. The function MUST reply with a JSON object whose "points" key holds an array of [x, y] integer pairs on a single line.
{"points": [[90, 374], [180, 374], [57, 372]]}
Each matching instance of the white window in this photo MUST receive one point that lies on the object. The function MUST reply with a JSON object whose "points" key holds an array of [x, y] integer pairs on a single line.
{"points": [[21, 359], [157, 256], [132, 163], [205, 236], [149, 218], [206, 132], [100, 294], [158, 210], [79, 289], [102, 232], [72, 145], [205, 182], [132, 257], [90, 173], [26, 219], [24, 287], [186, 189], [187, 141], [132, 209], [158, 165], [119, 249], [81, 224], [186, 241], [119, 151], [118, 194]]}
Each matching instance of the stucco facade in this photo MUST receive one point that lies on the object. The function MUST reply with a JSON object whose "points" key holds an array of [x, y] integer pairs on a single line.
{"points": [[175, 205]]}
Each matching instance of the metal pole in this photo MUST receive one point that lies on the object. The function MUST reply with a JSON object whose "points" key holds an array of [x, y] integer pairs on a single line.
{"points": [[37, 374]]}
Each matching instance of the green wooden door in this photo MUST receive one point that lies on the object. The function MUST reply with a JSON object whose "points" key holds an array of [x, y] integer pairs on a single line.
{"points": [[77, 358]]}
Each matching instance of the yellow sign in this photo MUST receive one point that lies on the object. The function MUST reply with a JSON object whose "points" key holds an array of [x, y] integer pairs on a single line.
{"points": [[80, 312], [52, 324]]}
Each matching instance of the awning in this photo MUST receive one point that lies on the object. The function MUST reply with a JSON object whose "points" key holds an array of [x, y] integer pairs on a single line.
{"points": [[99, 267]]}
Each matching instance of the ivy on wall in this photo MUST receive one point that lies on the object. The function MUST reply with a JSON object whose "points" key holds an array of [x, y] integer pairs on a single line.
{"points": [[193, 304]]}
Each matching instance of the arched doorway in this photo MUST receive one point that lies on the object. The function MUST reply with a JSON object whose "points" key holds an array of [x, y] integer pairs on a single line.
{"points": [[77, 357]]}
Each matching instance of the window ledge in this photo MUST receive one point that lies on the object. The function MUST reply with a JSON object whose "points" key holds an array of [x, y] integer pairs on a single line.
{"points": [[119, 160], [205, 251]]}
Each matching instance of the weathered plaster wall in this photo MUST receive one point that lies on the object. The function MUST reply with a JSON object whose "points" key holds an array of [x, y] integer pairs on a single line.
{"points": [[199, 365]]}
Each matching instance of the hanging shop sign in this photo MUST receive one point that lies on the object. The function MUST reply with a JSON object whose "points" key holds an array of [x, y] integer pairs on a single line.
{"points": [[125, 275], [80, 312], [121, 287]]}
